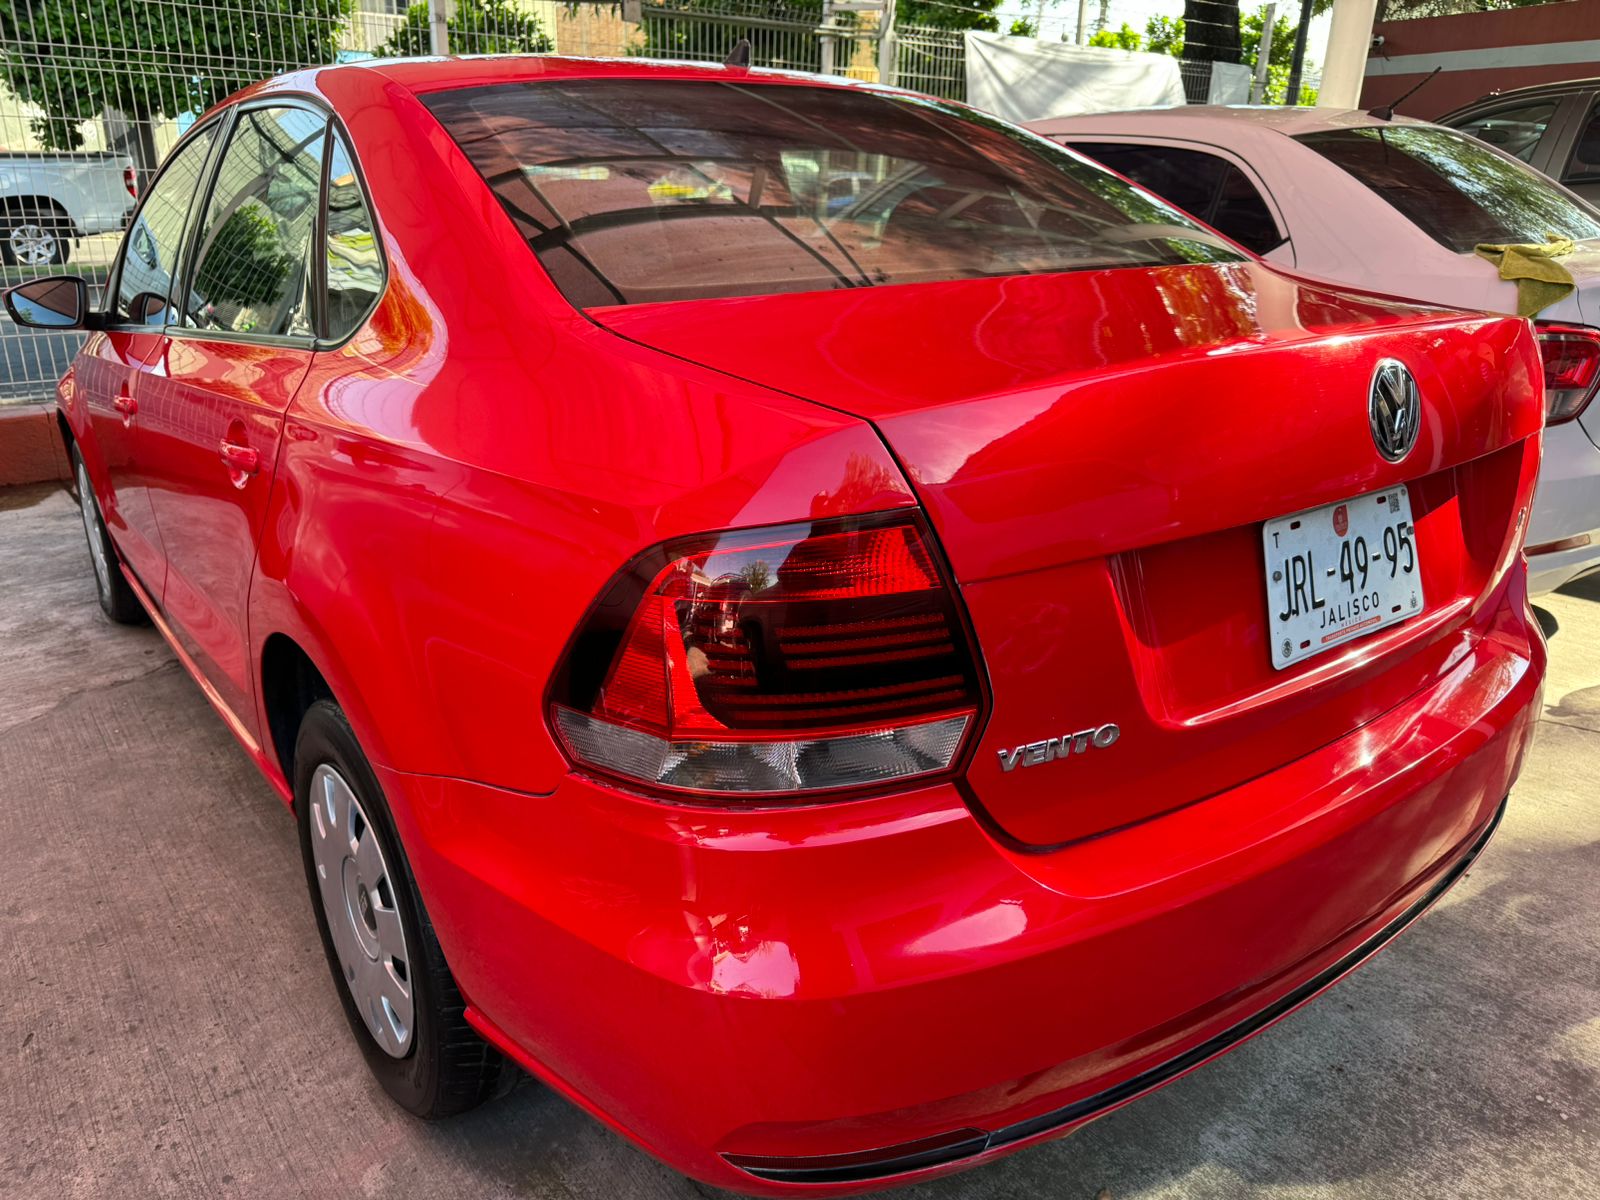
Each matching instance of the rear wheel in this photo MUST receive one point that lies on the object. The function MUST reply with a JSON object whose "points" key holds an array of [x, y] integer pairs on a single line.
{"points": [[399, 997], [34, 237], [117, 597]]}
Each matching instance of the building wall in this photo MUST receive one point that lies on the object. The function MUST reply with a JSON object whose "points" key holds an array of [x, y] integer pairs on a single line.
{"points": [[1481, 52]]}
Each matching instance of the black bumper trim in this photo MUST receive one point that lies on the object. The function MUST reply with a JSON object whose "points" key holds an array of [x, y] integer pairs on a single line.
{"points": [[865, 1166]]}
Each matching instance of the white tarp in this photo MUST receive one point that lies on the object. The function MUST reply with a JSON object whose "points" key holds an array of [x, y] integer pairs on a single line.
{"points": [[1023, 79], [1230, 83]]}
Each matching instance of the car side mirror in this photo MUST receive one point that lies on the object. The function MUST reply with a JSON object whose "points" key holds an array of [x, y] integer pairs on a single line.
{"points": [[55, 302], [144, 308]]}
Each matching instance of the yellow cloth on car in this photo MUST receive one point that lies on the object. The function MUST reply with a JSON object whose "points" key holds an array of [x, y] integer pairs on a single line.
{"points": [[1541, 281]]}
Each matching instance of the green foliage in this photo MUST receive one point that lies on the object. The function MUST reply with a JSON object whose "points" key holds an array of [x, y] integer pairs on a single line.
{"points": [[1279, 58], [75, 59], [1164, 35], [1126, 38], [1250, 29], [245, 263], [1022, 27], [950, 14], [474, 27]]}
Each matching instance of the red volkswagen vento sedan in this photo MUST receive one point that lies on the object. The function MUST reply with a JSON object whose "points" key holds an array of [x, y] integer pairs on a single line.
{"points": [[839, 635]]}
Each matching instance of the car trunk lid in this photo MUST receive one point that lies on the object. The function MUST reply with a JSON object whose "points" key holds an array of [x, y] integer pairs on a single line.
{"points": [[1098, 453]]}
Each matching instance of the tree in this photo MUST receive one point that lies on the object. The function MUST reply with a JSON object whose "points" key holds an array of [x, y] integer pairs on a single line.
{"points": [[75, 60], [1126, 38], [473, 27], [950, 14], [245, 264], [1250, 30], [1211, 31], [1164, 35], [1022, 27], [1279, 56]]}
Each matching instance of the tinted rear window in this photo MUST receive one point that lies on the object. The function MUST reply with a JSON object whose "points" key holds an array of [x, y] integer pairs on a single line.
{"points": [[632, 191], [1455, 189]]}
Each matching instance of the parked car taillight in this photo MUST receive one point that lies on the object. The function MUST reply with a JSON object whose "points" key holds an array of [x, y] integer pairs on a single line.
{"points": [[1571, 369], [130, 180], [793, 659]]}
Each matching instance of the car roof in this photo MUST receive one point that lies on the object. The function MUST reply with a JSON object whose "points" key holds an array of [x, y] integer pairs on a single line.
{"points": [[1224, 121], [429, 74], [1560, 87]]}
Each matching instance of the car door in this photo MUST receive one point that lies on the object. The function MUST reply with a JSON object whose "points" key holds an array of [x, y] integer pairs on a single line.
{"points": [[1209, 185], [112, 359], [212, 397]]}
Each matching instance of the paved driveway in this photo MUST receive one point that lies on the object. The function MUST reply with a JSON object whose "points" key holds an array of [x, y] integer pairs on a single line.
{"points": [[167, 1025]]}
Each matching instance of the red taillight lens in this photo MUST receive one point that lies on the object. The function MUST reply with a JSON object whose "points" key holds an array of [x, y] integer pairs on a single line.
{"points": [[803, 658], [1571, 369], [130, 180]]}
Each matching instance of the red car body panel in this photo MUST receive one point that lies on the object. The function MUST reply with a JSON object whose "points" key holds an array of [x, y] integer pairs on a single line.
{"points": [[441, 499]]}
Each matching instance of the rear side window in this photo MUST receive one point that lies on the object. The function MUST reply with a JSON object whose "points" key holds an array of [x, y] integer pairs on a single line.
{"points": [[150, 250], [1515, 130], [252, 261], [354, 265], [1204, 185], [1585, 164], [632, 191], [1456, 190]]}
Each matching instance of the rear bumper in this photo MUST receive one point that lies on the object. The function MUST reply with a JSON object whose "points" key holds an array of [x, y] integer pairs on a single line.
{"points": [[742, 992], [856, 1168]]}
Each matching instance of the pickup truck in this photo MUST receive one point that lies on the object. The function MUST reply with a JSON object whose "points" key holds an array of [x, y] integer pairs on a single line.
{"points": [[48, 201]]}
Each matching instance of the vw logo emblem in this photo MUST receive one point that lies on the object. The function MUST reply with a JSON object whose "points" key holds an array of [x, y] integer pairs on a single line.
{"points": [[1394, 409]]}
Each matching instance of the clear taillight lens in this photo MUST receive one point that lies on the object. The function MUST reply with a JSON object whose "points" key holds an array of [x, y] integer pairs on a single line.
{"points": [[797, 659], [1571, 369]]}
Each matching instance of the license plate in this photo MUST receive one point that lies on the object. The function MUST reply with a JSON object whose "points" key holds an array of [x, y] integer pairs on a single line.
{"points": [[1339, 571]]}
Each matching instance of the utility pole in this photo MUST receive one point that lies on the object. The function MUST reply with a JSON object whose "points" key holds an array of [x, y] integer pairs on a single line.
{"points": [[438, 28], [1264, 55], [888, 54], [1349, 40], [1292, 93], [1083, 16]]}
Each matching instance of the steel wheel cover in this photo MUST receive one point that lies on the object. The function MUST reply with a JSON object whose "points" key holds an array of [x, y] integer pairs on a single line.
{"points": [[358, 902]]}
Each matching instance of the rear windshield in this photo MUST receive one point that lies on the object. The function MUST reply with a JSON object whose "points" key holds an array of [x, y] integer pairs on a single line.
{"points": [[1455, 189], [632, 191]]}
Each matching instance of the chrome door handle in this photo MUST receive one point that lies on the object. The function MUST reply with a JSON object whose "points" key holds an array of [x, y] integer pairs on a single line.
{"points": [[242, 460]]}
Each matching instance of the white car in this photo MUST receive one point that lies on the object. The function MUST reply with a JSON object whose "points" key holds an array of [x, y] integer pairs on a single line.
{"points": [[1393, 206], [48, 201]]}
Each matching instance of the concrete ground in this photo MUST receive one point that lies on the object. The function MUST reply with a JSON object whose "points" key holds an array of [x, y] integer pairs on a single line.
{"points": [[168, 1028]]}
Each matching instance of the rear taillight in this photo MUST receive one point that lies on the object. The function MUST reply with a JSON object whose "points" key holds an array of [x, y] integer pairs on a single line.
{"points": [[1571, 369], [794, 659], [130, 180]]}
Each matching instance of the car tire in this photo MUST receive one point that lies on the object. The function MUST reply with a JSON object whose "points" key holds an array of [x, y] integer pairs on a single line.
{"points": [[400, 1000], [34, 237], [117, 598]]}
